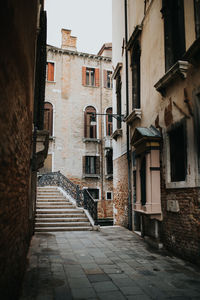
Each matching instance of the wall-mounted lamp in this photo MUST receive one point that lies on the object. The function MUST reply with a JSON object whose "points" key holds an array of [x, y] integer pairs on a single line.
{"points": [[93, 117]]}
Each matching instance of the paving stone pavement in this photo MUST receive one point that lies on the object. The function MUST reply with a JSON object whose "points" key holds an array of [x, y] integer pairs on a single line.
{"points": [[112, 264]]}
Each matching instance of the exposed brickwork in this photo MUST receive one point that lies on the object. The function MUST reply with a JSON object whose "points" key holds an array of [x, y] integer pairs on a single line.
{"points": [[181, 230], [18, 32], [120, 188]]}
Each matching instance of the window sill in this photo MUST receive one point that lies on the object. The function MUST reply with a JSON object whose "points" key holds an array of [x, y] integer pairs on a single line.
{"points": [[109, 176], [97, 176], [91, 86], [151, 209], [178, 70], [116, 134], [136, 114], [89, 140], [50, 81], [52, 138]]}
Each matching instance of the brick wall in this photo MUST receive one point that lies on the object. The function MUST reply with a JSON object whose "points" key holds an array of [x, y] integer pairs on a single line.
{"points": [[120, 190], [18, 32], [181, 230]]}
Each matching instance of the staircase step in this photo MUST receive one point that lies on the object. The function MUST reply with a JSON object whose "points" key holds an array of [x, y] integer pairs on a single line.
{"points": [[55, 212], [70, 215], [60, 219], [53, 229], [62, 224]]}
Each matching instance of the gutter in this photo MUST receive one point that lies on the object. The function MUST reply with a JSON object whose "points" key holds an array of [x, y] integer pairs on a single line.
{"points": [[127, 126]]}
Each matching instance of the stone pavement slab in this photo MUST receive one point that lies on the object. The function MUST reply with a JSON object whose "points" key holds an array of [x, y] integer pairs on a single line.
{"points": [[111, 264]]}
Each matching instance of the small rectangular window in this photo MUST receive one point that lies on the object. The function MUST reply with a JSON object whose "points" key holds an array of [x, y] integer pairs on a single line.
{"points": [[178, 153], [90, 76], [94, 193], [90, 165], [50, 71], [109, 196]]}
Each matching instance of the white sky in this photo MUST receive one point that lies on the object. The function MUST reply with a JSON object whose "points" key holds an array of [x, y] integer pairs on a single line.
{"points": [[89, 20]]}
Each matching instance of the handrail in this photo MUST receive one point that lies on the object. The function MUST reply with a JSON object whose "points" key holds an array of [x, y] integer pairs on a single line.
{"points": [[58, 179], [91, 205]]}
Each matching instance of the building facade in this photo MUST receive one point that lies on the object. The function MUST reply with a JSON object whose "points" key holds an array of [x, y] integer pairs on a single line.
{"points": [[77, 108], [156, 87]]}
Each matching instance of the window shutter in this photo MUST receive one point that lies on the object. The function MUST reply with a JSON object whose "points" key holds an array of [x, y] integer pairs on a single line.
{"points": [[85, 124], [97, 77], [84, 76], [105, 78], [50, 71], [97, 164], [83, 162]]}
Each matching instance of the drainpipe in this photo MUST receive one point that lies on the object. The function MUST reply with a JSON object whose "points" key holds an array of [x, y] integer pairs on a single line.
{"points": [[127, 126]]}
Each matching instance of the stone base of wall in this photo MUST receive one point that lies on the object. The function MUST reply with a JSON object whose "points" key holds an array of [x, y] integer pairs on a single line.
{"points": [[181, 229], [120, 191]]}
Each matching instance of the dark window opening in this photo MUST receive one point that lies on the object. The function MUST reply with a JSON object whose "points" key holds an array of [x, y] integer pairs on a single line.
{"points": [[109, 162], [94, 193], [109, 195], [109, 121], [119, 105], [197, 17], [135, 66], [48, 117], [174, 31], [90, 122], [178, 153], [90, 165]]}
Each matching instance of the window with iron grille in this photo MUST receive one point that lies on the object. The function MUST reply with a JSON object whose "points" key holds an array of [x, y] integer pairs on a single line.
{"points": [[109, 196], [90, 119]]}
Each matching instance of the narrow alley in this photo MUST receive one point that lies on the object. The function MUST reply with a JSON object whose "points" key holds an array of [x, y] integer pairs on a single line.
{"points": [[111, 264]]}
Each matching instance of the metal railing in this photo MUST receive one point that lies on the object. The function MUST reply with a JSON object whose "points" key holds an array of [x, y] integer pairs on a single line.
{"points": [[82, 197], [91, 205], [58, 179]]}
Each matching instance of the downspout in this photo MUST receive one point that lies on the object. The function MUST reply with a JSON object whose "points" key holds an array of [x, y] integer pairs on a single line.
{"points": [[127, 126]]}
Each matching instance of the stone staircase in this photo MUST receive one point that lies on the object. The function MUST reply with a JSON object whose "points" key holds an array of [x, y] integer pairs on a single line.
{"points": [[54, 212]]}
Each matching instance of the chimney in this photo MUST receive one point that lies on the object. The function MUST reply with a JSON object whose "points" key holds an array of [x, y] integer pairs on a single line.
{"points": [[68, 41]]}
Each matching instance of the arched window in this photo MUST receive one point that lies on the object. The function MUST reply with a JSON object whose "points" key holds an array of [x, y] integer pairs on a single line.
{"points": [[109, 121], [90, 122], [48, 117]]}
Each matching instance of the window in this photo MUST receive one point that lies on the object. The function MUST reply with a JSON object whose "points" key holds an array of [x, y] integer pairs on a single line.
{"points": [[50, 71], [90, 123], [94, 193], [178, 153], [197, 17], [91, 165], [118, 92], [108, 79], [90, 77], [109, 196], [135, 66], [48, 117], [109, 121], [109, 162], [174, 31]]}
